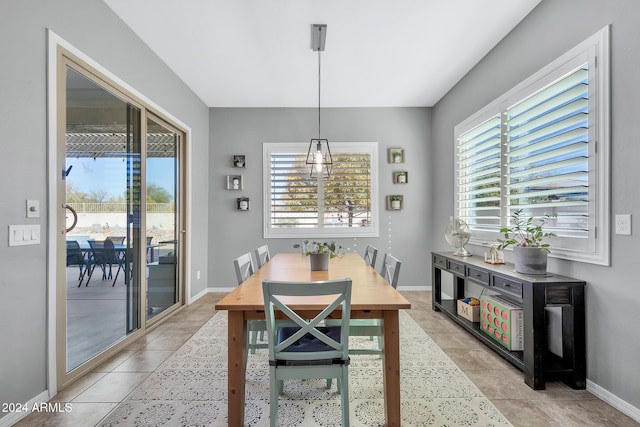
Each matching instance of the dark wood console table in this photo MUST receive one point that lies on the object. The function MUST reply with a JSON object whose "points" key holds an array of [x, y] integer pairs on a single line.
{"points": [[533, 293]]}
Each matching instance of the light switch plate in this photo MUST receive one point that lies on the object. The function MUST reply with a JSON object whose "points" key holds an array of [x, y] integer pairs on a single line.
{"points": [[33, 209], [21, 235]]}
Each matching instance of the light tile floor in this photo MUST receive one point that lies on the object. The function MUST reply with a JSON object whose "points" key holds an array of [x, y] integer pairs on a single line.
{"points": [[93, 396]]}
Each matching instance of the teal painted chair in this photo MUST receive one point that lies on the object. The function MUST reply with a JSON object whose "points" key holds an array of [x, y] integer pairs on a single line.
{"points": [[262, 255], [370, 255], [373, 327], [309, 349], [243, 266]]}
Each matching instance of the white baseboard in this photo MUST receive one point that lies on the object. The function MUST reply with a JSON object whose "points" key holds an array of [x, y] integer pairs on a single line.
{"points": [[613, 400], [208, 291], [197, 296], [414, 288], [13, 417]]}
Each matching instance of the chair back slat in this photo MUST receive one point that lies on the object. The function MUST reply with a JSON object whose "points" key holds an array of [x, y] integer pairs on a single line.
{"points": [[370, 255], [274, 291], [262, 255], [391, 269], [243, 266]]}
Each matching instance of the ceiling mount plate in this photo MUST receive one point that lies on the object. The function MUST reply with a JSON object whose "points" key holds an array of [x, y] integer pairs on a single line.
{"points": [[318, 36]]}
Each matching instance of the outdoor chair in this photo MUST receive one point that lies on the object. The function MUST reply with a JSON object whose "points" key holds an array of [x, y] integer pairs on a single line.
{"points": [[75, 256], [104, 254]]}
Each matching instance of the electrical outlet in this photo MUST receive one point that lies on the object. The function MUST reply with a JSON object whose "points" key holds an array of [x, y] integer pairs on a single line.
{"points": [[623, 224]]}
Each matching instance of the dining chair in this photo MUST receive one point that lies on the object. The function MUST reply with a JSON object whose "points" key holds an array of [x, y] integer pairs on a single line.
{"points": [[373, 327], [244, 268], [390, 269], [370, 255], [262, 255], [309, 349], [75, 256]]}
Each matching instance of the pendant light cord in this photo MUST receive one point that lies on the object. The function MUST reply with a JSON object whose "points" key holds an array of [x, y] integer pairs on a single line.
{"points": [[319, 90]]}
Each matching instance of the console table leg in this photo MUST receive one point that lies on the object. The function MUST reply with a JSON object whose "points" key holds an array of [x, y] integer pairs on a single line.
{"points": [[534, 337], [436, 288]]}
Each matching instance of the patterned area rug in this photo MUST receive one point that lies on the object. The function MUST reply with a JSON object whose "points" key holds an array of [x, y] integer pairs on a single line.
{"points": [[189, 388]]}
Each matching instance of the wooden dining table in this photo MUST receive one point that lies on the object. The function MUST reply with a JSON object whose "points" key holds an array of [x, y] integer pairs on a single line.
{"points": [[371, 298]]}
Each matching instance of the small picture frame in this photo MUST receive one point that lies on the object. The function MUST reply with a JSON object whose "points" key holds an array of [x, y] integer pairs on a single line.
{"points": [[395, 202], [396, 155], [239, 161], [401, 177], [234, 182], [242, 203]]}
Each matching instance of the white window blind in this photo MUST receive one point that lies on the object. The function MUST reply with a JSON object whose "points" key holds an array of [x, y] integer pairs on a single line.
{"points": [[547, 153], [342, 205], [543, 147], [479, 175], [294, 197]]}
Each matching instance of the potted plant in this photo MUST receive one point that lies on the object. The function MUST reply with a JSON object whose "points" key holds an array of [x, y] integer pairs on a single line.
{"points": [[396, 201], [530, 253], [319, 253]]}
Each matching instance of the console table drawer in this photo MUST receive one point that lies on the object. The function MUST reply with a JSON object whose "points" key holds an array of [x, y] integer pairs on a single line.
{"points": [[455, 267], [508, 286], [478, 276], [439, 261]]}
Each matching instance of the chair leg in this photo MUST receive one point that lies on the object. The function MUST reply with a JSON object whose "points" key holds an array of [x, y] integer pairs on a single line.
{"points": [[93, 267], [254, 341], [344, 396], [120, 267], [273, 398]]}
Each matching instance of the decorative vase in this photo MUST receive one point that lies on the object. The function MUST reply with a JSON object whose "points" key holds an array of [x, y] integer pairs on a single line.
{"points": [[319, 262], [530, 260]]}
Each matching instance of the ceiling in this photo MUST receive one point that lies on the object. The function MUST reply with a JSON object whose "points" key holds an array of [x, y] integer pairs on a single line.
{"points": [[379, 53]]}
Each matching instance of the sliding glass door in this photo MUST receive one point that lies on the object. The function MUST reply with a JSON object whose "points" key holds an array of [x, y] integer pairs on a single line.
{"points": [[121, 214], [163, 223], [102, 202]]}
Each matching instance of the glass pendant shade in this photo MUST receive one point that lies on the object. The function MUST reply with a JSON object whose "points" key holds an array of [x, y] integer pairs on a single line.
{"points": [[319, 158]]}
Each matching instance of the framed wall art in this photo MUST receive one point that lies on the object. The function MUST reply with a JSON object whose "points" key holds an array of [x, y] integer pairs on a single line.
{"points": [[239, 161], [234, 182], [242, 203]]}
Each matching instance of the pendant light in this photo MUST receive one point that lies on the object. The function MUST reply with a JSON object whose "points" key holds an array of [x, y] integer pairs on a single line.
{"points": [[319, 157]]}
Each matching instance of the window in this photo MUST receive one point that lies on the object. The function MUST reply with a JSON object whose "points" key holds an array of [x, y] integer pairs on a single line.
{"points": [[543, 147], [344, 205]]}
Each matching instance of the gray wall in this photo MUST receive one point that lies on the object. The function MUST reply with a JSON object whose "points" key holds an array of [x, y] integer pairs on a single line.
{"points": [[242, 131], [612, 294], [23, 160]]}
